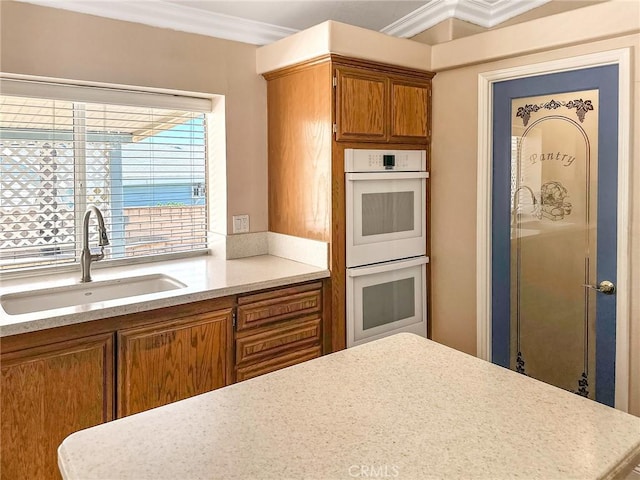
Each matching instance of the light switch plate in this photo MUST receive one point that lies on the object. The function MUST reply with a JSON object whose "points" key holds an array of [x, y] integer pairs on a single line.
{"points": [[240, 224]]}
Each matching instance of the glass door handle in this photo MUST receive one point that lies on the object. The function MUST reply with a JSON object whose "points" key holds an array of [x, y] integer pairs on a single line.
{"points": [[605, 287]]}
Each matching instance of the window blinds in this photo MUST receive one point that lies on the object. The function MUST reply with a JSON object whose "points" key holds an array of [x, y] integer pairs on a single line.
{"points": [[144, 167]]}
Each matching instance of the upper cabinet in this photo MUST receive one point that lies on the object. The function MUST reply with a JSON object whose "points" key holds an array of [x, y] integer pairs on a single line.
{"points": [[374, 105], [409, 110], [361, 105]]}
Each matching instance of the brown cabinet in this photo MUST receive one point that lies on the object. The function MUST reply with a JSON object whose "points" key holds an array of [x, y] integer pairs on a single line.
{"points": [[277, 329], [58, 381], [47, 393], [409, 115], [316, 109], [380, 107], [362, 104], [163, 363]]}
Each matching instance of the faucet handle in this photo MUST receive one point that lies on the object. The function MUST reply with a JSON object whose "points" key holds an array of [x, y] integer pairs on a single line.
{"points": [[104, 239]]}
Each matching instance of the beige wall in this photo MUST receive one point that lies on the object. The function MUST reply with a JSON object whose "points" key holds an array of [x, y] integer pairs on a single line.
{"points": [[342, 39], [448, 29], [550, 8], [454, 189], [453, 28], [56, 43]]}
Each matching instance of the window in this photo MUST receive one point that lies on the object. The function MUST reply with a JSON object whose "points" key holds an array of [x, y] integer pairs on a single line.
{"points": [[63, 148]]}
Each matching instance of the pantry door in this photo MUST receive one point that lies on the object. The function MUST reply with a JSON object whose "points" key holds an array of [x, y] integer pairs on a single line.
{"points": [[554, 228]]}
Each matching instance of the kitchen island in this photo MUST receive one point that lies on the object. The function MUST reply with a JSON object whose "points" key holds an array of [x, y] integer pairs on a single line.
{"points": [[401, 407]]}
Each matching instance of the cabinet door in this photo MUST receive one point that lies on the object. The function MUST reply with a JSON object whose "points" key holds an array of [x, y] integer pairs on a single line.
{"points": [[160, 364], [409, 111], [47, 393], [361, 105]]}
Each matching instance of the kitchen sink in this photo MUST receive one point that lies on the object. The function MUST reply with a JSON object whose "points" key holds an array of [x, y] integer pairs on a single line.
{"points": [[84, 293]]}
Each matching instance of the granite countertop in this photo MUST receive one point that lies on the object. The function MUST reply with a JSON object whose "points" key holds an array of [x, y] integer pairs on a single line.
{"points": [[400, 407], [205, 277]]}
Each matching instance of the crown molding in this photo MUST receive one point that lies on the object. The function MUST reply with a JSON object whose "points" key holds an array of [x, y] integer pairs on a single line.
{"points": [[485, 13], [176, 17], [160, 13], [422, 18], [489, 13]]}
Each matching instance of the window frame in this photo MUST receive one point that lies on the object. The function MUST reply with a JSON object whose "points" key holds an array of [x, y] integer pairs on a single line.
{"points": [[93, 92]]}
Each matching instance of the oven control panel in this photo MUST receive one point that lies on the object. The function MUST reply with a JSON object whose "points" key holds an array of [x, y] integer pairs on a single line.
{"points": [[366, 160]]}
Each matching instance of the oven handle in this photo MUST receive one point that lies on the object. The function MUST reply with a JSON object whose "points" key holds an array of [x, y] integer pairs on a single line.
{"points": [[386, 175], [386, 267]]}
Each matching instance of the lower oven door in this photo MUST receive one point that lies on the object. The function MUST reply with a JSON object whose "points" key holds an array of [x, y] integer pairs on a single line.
{"points": [[385, 299]]}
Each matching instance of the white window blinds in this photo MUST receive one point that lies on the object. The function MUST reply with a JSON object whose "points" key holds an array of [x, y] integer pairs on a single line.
{"points": [[144, 167]]}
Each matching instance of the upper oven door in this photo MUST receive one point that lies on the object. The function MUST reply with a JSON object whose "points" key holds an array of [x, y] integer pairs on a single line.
{"points": [[385, 216]]}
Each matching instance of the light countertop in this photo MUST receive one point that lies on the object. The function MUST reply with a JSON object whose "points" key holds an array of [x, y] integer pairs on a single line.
{"points": [[205, 277], [401, 407]]}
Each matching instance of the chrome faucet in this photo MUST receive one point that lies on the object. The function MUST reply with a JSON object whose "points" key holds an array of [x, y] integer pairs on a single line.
{"points": [[86, 258], [515, 203]]}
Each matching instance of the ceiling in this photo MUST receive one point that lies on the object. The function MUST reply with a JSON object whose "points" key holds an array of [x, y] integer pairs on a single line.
{"points": [[263, 22]]}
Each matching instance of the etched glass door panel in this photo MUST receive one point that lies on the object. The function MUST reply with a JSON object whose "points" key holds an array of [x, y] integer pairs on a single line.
{"points": [[554, 228], [554, 169]]}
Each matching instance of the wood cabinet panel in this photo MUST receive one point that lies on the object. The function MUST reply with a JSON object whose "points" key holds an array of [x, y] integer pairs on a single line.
{"points": [[300, 136], [361, 104], [279, 328], [270, 310], [272, 341], [276, 363], [47, 393], [376, 106], [160, 364], [409, 111]]}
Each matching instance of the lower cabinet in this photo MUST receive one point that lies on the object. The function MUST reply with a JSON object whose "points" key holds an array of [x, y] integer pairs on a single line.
{"points": [[47, 393], [56, 382], [160, 364], [277, 329]]}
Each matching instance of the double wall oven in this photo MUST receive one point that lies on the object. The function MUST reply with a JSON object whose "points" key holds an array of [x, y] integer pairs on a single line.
{"points": [[386, 238]]}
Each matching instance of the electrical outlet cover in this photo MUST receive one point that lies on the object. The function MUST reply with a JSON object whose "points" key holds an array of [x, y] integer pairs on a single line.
{"points": [[240, 223]]}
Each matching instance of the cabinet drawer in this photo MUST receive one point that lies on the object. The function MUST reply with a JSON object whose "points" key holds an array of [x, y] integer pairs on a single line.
{"points": [[270, 342], [280, 308], [286, 360]]}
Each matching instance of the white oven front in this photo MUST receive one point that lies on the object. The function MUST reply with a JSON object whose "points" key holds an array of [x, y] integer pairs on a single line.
{"points": [[385, 205], [385, 299]]}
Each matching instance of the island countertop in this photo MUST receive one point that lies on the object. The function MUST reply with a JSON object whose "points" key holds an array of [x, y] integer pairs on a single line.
{"points": [[400, 407]]}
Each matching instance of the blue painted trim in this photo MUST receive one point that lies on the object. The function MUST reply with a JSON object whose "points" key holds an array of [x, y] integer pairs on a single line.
{"points": [[501, 243], [605, 79], [607, 238]]}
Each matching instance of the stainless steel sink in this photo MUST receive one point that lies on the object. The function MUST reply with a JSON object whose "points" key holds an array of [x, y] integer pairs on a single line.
{"points": [[84, 293]]}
